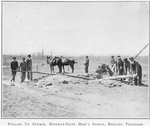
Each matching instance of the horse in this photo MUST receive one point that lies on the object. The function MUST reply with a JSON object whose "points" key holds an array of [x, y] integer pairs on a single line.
{"points": [[66, 62], [61, 62], [53, 61]]}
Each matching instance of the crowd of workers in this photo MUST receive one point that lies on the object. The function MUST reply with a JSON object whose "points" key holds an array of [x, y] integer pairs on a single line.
{"points": [[117, 66], [123, 67]]}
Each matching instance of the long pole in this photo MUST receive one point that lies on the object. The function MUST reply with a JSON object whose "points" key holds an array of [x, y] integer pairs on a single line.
{"points": [[34, 72], [115, 77], [140, 51]]}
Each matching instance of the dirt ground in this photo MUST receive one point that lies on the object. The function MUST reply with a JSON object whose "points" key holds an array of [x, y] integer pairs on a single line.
{"points": [[59, 96]]}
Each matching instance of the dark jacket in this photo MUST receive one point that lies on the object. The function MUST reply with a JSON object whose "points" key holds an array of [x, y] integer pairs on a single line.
{"points": [[86, 62], [14, 65], [120, 66], [23, 66], [135, 67]]}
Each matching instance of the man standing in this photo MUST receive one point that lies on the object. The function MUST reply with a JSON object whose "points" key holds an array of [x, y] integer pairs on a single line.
{"points": [[14, 68], [112, 64], [86, 64], [136, 68], [23, 67], [126, 66], [29, 67], [120, 66]]}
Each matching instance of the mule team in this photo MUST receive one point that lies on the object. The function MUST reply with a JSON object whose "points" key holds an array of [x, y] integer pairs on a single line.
{"points": [[60, 62], [119, 66]]}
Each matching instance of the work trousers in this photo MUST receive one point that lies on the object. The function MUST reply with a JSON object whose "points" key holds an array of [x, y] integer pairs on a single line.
{"points": [[23, 76], [29, 74], [138, 79], [13, 75], [86, 69]]}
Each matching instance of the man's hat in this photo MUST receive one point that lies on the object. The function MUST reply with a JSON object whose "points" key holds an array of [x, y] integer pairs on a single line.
{"points": [[125, 59], [119, 57], [112, 56], [14, 57], [131, 58], [23, 58]]}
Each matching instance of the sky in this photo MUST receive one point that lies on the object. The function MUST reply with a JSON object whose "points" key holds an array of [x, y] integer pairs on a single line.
{"points": [[76, 28]]}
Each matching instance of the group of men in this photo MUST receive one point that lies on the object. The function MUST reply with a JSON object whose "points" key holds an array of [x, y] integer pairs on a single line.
{"points": [[127, 66], [25, 66], [122, 67], [119, 66]]}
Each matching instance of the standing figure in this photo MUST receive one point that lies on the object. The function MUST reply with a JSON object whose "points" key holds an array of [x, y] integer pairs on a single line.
{"points": [[126, 66], [23, 68], [136, 68], [29, 67], [113, 64], [120, 67], [14, 68], [86, 64]]}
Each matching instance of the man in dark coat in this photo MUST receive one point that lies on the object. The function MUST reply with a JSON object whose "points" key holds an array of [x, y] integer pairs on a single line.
{"points": [[136, 68], [29, 67], [120, 66], [23, 67], [14, 68], [126, 66], [86, 64]]}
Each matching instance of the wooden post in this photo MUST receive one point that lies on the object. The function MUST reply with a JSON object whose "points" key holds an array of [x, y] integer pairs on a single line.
{"points": [[140, 51], [37, 67]]}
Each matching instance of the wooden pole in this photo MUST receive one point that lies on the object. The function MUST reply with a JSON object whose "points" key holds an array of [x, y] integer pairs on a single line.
{"points": [[140, 51], [37, 67], [85, 78], [35, 72], [116, 77]]}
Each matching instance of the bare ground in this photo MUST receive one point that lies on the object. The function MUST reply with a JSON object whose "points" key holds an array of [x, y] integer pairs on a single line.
{"points": [[64, 97]]}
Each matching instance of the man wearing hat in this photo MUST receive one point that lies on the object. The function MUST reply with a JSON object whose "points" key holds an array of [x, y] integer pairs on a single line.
{"points": [[136, 68], [29, 67], [113, 64], [23, 68], [120, 66], [126, 66], [86, 64], [14, 68]]}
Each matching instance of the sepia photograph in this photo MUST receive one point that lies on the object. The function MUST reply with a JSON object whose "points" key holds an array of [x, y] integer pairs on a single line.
{"points": [[75, 60]]}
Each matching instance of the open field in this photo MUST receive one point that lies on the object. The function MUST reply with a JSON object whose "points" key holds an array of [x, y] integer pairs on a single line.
{"points": [[59, 96]]}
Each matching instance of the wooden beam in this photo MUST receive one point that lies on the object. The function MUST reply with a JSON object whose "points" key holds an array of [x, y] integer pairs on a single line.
{"points": [[140, 51], [116, 77], [36, 72], [85, 78]]}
